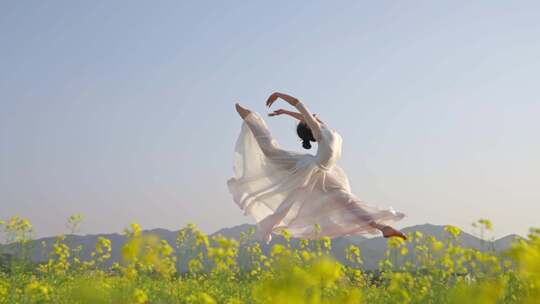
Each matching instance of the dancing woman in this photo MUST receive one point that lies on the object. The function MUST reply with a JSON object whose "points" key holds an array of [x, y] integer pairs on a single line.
{"points": [[309, 195]]}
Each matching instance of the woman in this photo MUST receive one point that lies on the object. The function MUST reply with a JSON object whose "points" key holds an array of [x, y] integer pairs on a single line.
{"points": [[309, 195]]}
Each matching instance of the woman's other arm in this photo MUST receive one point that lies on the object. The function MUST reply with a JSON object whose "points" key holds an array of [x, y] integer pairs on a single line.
{"points": [[286, 112]]}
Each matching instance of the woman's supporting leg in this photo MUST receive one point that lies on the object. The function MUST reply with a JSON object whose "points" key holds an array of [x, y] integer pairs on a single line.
{"points": [[388, 231], [365, 217]]}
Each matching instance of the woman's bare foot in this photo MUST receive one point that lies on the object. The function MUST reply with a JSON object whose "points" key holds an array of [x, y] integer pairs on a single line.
{"points": [[389, 232], [243, 112]]}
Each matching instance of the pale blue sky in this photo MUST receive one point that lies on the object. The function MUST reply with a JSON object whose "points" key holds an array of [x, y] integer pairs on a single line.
{"points": [[123, 111]]}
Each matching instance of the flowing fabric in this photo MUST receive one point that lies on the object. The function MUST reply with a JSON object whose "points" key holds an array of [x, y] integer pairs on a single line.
{"points": [[309, 195]]}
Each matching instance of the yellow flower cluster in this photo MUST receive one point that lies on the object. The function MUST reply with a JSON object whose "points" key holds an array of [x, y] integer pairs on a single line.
{"points": [[146, 253], [197, 269], [36, 292]]}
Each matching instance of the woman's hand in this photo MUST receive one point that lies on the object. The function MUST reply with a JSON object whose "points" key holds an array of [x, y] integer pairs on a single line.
{"points": [[291, 100], [278, 112], [271, 99], [286, 112]]}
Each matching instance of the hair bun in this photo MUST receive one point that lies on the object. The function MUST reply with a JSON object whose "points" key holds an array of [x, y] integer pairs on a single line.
{"points": [[304, 132], [306, 144]]}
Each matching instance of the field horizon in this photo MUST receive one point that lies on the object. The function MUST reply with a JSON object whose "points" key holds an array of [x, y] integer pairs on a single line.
{"points": [[373, 247]]}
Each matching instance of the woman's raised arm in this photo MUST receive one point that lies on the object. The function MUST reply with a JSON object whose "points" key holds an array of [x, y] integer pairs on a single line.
{"points": [[310, 120]]}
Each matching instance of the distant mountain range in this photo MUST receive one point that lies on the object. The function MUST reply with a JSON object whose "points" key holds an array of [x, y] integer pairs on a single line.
{"points": [[372, 249]]}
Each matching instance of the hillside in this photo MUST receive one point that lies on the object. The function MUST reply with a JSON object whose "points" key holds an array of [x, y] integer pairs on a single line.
{"points": [[373, 249]]}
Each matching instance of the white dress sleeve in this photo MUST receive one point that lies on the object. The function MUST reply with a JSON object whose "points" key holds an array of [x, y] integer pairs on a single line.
{"points": [[311, 121]]}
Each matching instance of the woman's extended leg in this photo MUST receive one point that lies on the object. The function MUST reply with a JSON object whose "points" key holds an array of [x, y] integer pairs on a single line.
{"points": [[261, 133], [243, 112], [266, 142]]}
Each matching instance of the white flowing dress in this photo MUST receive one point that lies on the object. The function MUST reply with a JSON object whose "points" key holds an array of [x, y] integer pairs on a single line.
{"points": [[308, 195]]}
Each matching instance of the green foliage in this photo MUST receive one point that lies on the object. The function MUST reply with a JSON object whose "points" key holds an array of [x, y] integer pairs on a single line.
{"points": [[420, 270]]}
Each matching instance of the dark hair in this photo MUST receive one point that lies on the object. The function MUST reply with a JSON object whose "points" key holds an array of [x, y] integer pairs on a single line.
{"points": [[304, 132]]}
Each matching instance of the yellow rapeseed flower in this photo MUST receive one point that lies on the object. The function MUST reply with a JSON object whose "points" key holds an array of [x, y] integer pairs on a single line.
{"points": [[139, 296]]}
